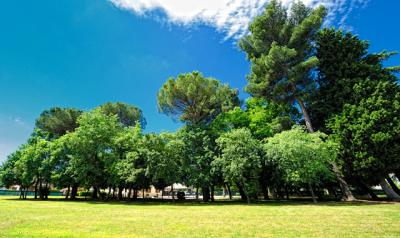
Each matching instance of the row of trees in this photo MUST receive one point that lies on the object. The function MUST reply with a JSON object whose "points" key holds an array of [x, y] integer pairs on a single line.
{"points": [[300, 74]]}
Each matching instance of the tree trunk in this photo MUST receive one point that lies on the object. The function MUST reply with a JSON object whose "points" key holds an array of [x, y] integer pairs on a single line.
{"points": [[229, 191], [206, 193], [347, 195], [312, 193], [74, 191], [172, 192], [40, 189], [393, 185], [36, 188], [162, 194], [143, 193], [197, 193], [129, 193], [241, 192], [389, 191], [94, 194], [305, 115], [67, 195], [366, 189], [212, 193], [120, 188]]}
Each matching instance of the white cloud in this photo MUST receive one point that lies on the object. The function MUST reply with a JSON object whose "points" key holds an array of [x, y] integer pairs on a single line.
{"points": [[229, 16]]}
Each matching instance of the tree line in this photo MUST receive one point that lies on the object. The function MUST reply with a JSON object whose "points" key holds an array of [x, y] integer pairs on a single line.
{"points": [[301, 74]]}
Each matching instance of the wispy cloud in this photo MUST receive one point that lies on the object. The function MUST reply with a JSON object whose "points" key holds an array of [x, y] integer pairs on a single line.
{"points": [[229, 16]]}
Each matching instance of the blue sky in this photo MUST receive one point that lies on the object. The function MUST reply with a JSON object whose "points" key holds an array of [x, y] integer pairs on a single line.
{"points": [[83, 53]]}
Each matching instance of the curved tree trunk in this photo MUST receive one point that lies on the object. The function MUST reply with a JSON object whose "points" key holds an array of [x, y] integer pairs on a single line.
{"points": [[393, 185], [347, 194], [389, 191]]}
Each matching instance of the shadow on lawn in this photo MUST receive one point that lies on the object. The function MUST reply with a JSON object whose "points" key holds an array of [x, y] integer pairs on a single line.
{"points": [[156, 202]]}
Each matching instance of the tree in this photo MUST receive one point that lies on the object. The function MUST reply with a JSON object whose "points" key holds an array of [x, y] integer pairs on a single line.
{"points": [[164, 155], [369, 132], [91, 146], [280, 48], [195, 99], [240, 161], [58, 121], [301, 158], [264, 120], [280, 51], [344, 62], [127, 114]]}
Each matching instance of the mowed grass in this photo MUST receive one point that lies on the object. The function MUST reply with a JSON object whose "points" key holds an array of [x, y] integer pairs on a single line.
{"points": [[58, 218]]}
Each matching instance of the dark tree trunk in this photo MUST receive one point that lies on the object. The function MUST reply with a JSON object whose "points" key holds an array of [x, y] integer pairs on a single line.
{"points": [[206, 193], [197, 193], [287, 192], [347, 195], [143, 193], [366, 189], [36, 188], [120, 189], [40, 190], [229, 191], [393, 185], [241, 192], [332, 191], [74, 191], [212, 193], [312, 194], [95, 191], [172, 192]]}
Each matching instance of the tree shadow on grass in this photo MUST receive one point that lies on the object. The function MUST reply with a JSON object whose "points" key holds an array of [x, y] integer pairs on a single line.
{"points": [[234, 202]]}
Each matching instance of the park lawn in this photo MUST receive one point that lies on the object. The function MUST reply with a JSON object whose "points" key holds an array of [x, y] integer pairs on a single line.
{"points": [[58, 218]]}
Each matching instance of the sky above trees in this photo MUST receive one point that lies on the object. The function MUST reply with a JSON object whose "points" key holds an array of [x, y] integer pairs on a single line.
{"points": [[83, 53]]}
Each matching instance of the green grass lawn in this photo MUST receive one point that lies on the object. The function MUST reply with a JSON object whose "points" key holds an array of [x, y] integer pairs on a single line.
{"points": [[57, 218]]}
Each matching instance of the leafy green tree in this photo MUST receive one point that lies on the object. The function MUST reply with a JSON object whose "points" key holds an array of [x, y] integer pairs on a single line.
{"points": [[91, 146], [263, 120], [281, 53], [58, 121], [344, 62], [369, 132], [8, 173], [301, 158], [240, 161], [164, 155]]}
